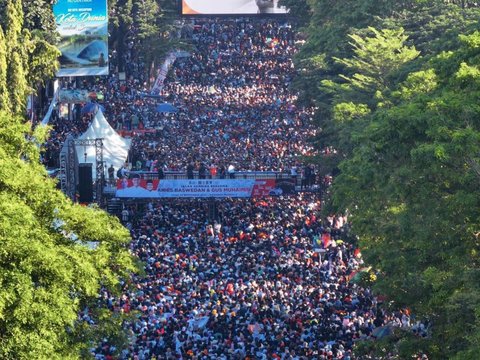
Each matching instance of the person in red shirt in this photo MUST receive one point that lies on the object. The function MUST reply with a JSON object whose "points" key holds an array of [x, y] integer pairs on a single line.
{"points": [[213, 171]]}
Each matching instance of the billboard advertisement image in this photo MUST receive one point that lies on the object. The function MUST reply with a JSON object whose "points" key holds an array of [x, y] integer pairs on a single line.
{"points": [[83, 27], [225, 7]]}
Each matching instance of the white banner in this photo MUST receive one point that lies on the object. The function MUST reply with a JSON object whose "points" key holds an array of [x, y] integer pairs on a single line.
{"points": [[162, 74], [205, 188], [54, 102]]}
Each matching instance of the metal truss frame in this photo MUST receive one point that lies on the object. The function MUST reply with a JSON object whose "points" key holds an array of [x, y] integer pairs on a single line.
{"points": [[68, 168], [63, 174]]}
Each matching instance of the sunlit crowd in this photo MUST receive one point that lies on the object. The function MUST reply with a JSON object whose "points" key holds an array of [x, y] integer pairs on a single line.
{"points": [[262, 278]]}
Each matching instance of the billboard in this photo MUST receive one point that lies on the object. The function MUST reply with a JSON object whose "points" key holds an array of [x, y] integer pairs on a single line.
{"points": [[83, 27], [78, 96], [233, 7]]}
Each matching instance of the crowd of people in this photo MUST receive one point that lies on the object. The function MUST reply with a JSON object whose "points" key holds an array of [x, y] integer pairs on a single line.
{"points": [[233, 100], [264, 278], [241, 278], [249, 285], [234, 105]]}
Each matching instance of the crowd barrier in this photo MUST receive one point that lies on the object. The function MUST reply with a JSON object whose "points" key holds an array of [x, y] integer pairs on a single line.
{"points": [[180, 175]]}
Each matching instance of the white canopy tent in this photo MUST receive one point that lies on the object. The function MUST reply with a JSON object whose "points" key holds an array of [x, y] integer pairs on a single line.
{"points": [[115, 147]]}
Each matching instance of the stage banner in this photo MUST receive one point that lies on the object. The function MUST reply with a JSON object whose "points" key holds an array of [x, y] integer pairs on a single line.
{"points": [[205, 188], [214, 188], [233, 7], [83, 27]]}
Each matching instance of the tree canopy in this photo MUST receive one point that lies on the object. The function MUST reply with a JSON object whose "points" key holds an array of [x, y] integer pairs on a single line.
{"points": [[55, 256], [398, 93]]}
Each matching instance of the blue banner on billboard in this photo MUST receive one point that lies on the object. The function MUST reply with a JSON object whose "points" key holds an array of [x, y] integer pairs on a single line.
{"points": [[83, 27]]}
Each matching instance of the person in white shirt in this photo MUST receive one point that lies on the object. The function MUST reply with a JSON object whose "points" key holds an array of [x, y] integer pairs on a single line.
{"points": [[231, 171]]}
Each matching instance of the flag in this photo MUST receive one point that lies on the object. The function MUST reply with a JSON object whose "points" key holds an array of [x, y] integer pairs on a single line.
{"points": [[326, 239], [356, 276]]}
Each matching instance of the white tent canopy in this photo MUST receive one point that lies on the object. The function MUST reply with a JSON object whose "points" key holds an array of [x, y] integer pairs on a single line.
{"points": [[115, 147]]}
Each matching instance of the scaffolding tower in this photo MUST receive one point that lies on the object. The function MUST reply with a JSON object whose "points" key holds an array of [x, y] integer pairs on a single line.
{"points": [[69, 167]]}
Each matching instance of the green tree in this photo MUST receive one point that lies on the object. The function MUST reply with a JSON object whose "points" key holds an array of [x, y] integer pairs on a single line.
{"points": [[326, 35], [55, 255], [409, 165], [376, 59], [16, 40], [38, 16], [366, 85], [411, 183], [299, 9], [4, 93], [28, 38], [42, 53], [120, 21], [433, 26]]}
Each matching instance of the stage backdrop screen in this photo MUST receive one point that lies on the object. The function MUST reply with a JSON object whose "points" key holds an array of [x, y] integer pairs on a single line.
{"points": [[83, 27], [233, 7]]}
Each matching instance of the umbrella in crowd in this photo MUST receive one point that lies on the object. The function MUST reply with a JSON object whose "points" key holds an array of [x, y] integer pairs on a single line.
{"points": [[92, 108], [382, 331], [166, 108]]}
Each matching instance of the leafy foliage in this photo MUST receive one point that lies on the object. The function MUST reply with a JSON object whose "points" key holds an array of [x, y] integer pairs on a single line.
{"points": [[299, 9], [411, 181], [55, 256], [49, 268], [366, 86], [407, 129], [27, 35], [4, 102], [16, 47]]}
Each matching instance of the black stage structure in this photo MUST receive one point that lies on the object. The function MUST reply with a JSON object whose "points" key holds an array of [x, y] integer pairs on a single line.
{"points": [[69, 165]]}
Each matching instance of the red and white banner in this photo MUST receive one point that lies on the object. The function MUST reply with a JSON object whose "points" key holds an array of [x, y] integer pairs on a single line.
{"points": [[205, 188], [162, 73], [201, 188]]}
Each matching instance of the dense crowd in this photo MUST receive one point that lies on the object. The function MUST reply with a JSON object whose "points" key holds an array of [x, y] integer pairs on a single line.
{"points": [[268, 279], [233, 100], [234, 106], [259, 278], [250, 285]]}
